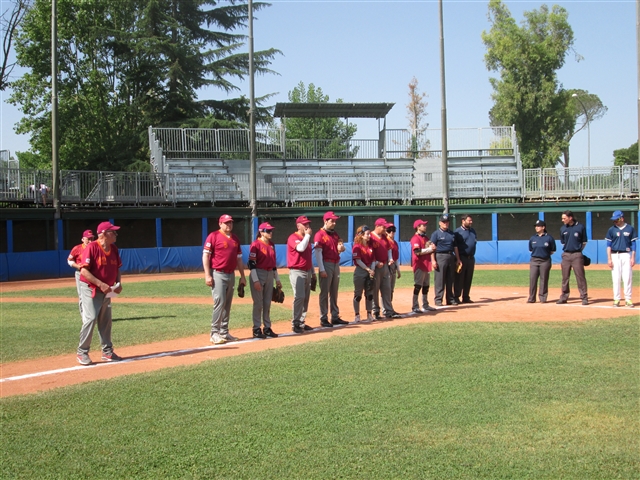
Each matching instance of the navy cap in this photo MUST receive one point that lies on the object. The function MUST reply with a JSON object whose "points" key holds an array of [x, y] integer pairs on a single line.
{"points": [[541, 223], [444, 218]]}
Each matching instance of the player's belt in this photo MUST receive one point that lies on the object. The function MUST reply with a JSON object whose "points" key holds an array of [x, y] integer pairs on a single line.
{"points": [[331, 261], [619, 251], [444, 253], [224, 271]]}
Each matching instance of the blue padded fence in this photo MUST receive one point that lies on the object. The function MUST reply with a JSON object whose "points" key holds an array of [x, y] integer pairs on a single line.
{"points": [[53, 263]]}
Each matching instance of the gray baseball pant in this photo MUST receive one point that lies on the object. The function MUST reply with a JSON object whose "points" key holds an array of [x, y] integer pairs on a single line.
{"points": [[301, 285], [573, 260], [359, 276], [95, 310], [78, 282], [421, 278], [382, 288], [222, 293], [539, 267], [262, 298], [329, 291]]}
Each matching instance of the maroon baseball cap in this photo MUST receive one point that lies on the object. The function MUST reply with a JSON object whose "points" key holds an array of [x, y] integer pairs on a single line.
{"points": [[225, 218], [265, 226], [303, 220], [381, 222], [417, 223], [105, 227], [88, 234], [330, 216]]}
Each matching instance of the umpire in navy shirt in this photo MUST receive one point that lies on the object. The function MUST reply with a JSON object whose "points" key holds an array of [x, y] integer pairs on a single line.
{"points": [[467, 240], [542, 246], [573, 236], [444, 261]]}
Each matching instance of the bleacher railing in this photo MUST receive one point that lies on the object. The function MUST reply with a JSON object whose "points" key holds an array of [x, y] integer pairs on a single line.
{"points": [[182, 143], [108, 188], [581, 182]]}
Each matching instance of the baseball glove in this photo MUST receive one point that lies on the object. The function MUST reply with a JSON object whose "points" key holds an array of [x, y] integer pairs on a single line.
{"points": [[314, 282], [278, 295], [587, 260], [241, 290], [368, 287]]}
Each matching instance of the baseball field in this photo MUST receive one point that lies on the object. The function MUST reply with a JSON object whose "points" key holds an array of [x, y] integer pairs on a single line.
{"points": [[495, 389]]}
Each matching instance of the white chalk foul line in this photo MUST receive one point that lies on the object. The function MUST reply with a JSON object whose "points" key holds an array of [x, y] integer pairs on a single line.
{"points": [[136, 359]]}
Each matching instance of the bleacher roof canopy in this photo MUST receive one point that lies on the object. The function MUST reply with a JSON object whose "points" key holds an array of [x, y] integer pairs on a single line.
{"points": [[332, 110]]}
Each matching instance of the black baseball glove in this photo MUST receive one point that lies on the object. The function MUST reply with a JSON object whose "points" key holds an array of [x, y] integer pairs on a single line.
{"points": [[278, 295], [241, 290], [314, 282]]}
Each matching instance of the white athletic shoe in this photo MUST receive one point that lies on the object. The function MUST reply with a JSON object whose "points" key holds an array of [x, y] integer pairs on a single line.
{"points": [[356, 319], [218, 339]]}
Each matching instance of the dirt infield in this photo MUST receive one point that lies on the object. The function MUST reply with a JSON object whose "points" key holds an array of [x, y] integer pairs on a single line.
{"points": [[504, 304]]}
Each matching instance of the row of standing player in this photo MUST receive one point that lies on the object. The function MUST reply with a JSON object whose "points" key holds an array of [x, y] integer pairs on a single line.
{"points": [[621, 241], [375, 255]]}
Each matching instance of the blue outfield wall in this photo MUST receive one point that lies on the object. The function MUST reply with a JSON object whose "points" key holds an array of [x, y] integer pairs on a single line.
{"points": [[53, 263]]}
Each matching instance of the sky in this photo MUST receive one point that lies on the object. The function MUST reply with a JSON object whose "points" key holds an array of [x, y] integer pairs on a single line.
{"points": [[368, 51]]}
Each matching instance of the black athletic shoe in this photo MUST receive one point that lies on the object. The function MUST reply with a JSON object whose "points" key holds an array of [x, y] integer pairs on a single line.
{"points": [[270, 333], [560, 302], [307, 328], [257, 333], [438, 304], [298, 329], [453, 302], [377, 316], [326, 325], [585, 302], [339, 321], [467, 300]]}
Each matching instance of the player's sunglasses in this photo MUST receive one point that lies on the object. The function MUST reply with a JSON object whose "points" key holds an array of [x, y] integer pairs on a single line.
{"points": [[268, 231]]}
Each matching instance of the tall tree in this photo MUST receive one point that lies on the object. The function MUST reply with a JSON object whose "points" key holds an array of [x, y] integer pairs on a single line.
{"points": [[626, 156], [528, 94], [416, 113], [10, 20], [125, 65], [337, 132], [584, 113]]}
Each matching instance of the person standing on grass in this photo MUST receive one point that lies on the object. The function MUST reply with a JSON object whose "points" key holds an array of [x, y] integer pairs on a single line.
{"points": [[301, 272], [328, 246], [621, 256], [542, 246], [394, 267], [573, 236], [362, 255], [263, 271], [221, 256], [382, 281], [467, 240], [75, 260], [421, 251], [445, 261], [99, 275]]}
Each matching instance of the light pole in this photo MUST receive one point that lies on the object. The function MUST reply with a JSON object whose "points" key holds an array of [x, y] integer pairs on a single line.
{"points": [[586, 114]]}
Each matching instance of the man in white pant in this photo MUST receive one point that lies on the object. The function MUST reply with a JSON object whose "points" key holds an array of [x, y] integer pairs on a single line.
{"points": [[621, 256]]}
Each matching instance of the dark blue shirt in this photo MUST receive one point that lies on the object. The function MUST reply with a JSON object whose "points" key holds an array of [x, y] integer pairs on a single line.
{"points": [[467, 240], [622, 239], [444, 240], [542, 246], [572, 237]]}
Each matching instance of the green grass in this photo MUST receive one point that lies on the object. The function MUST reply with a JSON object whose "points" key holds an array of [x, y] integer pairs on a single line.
{"points": [[40, 329], [451, 400], [196, 287]]}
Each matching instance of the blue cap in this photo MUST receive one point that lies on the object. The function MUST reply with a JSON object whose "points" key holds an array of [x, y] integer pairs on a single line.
{"points": [[616, 215], [444, 218]]}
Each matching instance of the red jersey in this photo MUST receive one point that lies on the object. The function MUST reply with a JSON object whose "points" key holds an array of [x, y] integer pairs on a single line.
{"points": [[380, 247], [224, 251], [295, 259], [420, 262], [77, 253], [362, 252], [328, 242], [395, 250], [102, 265], [264, 254]]}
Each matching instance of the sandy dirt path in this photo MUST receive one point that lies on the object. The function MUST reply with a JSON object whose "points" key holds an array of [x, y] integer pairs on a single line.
{"points": [[505, 304]]}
